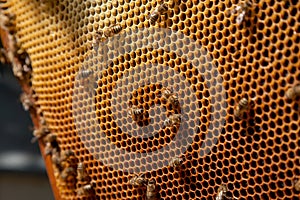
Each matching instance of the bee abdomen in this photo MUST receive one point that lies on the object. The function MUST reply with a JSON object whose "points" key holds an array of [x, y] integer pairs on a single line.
{"points": [[138, 111], [174, 100], [167, 122], [243, 103], [153, 18], [117, 28], [242, 106], [114, 29], [85, 73]]}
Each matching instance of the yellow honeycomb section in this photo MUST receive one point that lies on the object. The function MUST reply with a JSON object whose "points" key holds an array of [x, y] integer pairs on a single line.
{"points": [[257, 157]]}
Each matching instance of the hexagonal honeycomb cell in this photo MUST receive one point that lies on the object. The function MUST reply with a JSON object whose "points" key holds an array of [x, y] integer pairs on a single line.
{"points": [[127, 102]]}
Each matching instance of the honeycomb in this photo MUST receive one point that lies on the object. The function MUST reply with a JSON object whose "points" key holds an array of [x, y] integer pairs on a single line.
{"points": [[115, 119]]}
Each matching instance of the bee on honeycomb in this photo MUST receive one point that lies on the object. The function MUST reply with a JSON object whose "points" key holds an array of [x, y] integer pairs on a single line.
{"points": [[138, 181], [242, 10], [293, 92], [157, 12]]}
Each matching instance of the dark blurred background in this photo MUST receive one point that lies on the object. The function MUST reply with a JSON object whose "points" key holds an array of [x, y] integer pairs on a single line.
{"points": [[22, 171]]}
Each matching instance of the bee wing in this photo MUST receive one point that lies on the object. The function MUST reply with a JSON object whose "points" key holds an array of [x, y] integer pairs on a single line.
{"points": [[240, 18], [48, 150], [141, 176], [236, 9], [131, 181], [129, 110], [166, 122], [232, 11]]}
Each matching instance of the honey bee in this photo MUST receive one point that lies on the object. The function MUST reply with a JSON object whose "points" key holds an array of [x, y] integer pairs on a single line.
{"points": [[297, 185], [50, 138], [151, 193], [55, 157], [85, 190], [176, 162], [50, 141], [87, 78], [172, 120], [42, 121], [84, 74], [26, 101], [293, 92], [158, 11], [81, 172], [136, 112], [7, 19], [242, 10], [112, 30], [40, 133], [102, 35], [48, 148], [222, 190], [67, 172], [65, 155], [138, 181], [169, 96], [241, 107]]}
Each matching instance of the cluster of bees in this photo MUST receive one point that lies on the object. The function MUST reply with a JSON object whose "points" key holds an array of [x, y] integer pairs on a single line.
{"points": [[150, 185], [64, 163], [7, 19], [69, 172], [169, 97], [242, 107], [151, 188], [26, 100], [86, 187], [19, 59], [152, 193], [41, 132]]}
